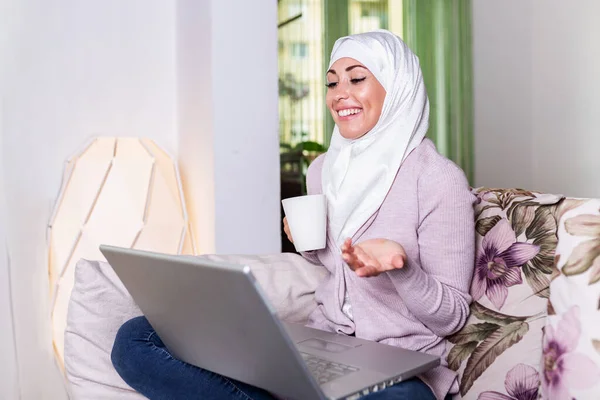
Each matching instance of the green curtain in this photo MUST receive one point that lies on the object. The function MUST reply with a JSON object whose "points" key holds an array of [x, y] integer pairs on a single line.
{"points": [[439, 32], [336, 24]]}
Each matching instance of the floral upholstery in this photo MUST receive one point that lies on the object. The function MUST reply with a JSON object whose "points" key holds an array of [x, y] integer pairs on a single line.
{"points": [[497, 353], [571, 344]]}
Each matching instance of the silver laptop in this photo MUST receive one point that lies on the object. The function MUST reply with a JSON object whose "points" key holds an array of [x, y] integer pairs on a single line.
{"points": [[215, 316]]}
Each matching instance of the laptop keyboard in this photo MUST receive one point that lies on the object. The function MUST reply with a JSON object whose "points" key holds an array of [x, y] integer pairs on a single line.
{"points": [[324, 370]]}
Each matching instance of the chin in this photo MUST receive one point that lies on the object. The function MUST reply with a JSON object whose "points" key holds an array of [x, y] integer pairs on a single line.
{"points": [[351, 135]]}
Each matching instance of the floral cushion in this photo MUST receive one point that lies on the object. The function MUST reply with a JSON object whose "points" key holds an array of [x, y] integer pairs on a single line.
{"points": [[497, 353], [571, 343]]}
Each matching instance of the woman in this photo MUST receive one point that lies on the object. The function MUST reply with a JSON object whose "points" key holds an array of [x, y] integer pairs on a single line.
{"points": [[400, 245]]}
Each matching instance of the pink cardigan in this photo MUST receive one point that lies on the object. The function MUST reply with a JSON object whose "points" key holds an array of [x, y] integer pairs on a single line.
{"points": [[429, 210]]}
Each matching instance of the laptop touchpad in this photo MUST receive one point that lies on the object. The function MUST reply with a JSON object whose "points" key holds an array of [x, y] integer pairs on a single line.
{"points": [[324, 345]]}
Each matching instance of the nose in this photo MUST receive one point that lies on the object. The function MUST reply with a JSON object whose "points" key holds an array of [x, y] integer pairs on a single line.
{"points": [[340, 96], [341, 91]]}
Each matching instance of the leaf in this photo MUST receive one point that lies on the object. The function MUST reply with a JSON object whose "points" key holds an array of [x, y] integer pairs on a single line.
{"points": [[517, 192], [544, 260], [484, 225], [595, 271], [556, 259], [567, 205], [521, 203], [459, 353], [515, 196], [488, 350], [485, 314], [550, 308], [482, 209], [595, 343], [520, 216], [473, 333], [537, 280], [582, 257], [495, 200], [311, 146], [555, 271], [583, 225], [543, 223]]}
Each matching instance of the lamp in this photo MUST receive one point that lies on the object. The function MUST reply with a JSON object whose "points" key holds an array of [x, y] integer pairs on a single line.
{"points": [[120, 191]]}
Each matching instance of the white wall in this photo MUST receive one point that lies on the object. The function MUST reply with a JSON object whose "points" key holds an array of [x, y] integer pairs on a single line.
{"points": [[536, 94], [9, 384], [8, 365], [133, 68], [566, 98], [75, 70], [229, 141], [195, 117], [502, 93]]}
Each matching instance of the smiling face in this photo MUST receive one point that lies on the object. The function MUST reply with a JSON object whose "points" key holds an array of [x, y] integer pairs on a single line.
{"points": [[354, 97]]}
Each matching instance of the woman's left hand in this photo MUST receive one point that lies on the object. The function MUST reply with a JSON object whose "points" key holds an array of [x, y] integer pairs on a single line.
{"points": [[372, 257]]}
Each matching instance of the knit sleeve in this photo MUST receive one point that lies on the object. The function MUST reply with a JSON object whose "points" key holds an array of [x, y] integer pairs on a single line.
{"points": [[437, 292]]}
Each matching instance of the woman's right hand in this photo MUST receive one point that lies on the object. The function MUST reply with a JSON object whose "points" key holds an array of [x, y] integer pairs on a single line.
{"points": [[286, 229]]}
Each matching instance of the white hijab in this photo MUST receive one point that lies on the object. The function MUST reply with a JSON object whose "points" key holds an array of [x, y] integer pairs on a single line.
{"points": [[357, 174]]}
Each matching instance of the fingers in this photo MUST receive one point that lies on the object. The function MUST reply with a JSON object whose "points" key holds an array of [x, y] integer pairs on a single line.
{"points": [[370, 266], [347, 246], [367, 271], [373, 257], [398, 261], [375, 268], [352, 261], [349, 255]]}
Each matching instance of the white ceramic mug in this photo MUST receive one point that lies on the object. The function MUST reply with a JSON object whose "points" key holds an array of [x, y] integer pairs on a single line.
{"points": [[307, 219]]}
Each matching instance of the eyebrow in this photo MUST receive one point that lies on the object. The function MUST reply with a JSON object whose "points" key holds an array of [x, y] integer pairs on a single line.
{"points": [[350, 68]]}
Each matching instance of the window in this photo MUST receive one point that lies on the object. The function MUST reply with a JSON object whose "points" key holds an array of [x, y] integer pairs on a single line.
{"points": [[299, 50], [303, 55], [301, 84]]}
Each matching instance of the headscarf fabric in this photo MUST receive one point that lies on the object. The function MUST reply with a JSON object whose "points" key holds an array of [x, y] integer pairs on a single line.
{"points": [[357, 174]]}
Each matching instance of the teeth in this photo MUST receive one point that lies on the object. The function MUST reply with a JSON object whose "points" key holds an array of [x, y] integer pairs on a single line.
{"points": [[348, 111]]}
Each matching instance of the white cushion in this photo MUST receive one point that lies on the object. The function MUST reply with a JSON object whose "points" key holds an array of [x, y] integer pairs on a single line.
{"points": [[100, 304], [572, 331]]}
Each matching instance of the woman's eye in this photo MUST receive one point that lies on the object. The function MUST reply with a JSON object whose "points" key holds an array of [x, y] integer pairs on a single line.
{"points": [[357, 80], [331, 85]]}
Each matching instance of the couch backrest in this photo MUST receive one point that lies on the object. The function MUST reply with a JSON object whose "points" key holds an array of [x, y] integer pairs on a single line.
{"points": [[570, 365], [502, 340]]}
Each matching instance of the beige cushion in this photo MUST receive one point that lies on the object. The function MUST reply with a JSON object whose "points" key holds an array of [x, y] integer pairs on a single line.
{"points": [[100, 304]]}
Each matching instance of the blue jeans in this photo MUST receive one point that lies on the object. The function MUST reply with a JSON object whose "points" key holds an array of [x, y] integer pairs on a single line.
{"points": [[143, 361]]}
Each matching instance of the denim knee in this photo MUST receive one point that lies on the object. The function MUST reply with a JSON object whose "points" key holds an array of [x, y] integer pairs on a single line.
{"points": [[130, 336]]}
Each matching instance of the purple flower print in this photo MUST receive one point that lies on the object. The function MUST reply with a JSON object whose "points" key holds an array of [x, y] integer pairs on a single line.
{"points": [[499, 258], [482, 196], [563, 367], [521, 383]]}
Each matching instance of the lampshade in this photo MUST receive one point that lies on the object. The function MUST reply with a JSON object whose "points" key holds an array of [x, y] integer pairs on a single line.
{"points": [[118, 191]]}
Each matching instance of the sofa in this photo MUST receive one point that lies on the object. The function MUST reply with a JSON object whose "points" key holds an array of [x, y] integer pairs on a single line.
{"points": [[533, 332]]}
